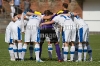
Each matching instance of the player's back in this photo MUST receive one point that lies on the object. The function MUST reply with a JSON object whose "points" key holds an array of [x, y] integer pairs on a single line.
{"points": [[66, 20], [34, 20], [9, 25], [18, 23], [79, 21]]}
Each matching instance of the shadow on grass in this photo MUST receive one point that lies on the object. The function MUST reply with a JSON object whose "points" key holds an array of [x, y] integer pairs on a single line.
{"points": [[44, 59]]}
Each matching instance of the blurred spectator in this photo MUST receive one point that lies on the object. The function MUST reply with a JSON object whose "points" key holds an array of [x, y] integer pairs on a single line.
{"points": [[1, 9], [16, 4], [12, 8], [26, 5]]}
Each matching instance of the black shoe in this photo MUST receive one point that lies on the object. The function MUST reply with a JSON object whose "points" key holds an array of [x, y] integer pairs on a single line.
{"points": [[31, 58], [19, 59], [16, 59]]}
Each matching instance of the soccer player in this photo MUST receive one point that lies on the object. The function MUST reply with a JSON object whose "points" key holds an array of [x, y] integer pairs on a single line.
{"points": [[32, 32], [16, 29], [48, 31], [12, 8], [8, 39], [82, 34], [89, 49], [25, 24], [57, 29]]}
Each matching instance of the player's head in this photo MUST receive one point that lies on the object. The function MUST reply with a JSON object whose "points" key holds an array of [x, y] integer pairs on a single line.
{"points": [[48, 12], [65, 6], [18, 10], [15, 17]]}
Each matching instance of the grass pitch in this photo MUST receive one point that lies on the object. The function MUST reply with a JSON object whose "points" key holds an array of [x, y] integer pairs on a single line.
{"points": [[5, 60]]}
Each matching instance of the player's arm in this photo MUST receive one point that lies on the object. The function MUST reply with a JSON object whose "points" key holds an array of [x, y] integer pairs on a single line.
{"points": [[47, 17], [46, 23], [55, 19], [29, 13]]}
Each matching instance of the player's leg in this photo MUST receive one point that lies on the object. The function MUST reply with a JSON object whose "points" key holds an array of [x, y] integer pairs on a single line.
{"points": [[11, 52], [63, 40], [31, 50], [53, 39], [66, 37], [80, 49], [19, 43], [27, 39], [24, 49], [57, 30], [84, 51], [72, 48], [62, 55], [76, 47], [36, 39], [15, 38], [15, 50], [85, 31], [89, 49], [76, 51], [49, 47], [9, 40], [42, 38]]}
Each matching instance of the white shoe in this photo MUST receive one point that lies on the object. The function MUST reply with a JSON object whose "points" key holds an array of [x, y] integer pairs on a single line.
{"points": [[70, 60], [90, 59], [65, 60], [39, 60], [12, 59], [78, 61]]}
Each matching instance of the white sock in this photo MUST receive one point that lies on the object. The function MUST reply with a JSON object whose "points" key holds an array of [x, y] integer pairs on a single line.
{"points": [[11, 52], [72, 51], [37, 50], [89, 49], [31, 50], [50, 50], [24, 49], [80, 52], [15, 50], [20, 50], [85, 51], [65, 53]]}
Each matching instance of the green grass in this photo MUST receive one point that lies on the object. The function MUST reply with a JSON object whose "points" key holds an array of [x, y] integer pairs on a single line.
{"points": [[5, 60]]}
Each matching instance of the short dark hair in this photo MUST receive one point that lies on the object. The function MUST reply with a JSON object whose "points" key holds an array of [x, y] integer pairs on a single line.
{"points": [[18, 10], [48, 12], [65, 5], [14, 14]]}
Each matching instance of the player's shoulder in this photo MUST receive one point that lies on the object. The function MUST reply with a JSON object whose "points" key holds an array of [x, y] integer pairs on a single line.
{"points": [[11, 22], [60, 11]]}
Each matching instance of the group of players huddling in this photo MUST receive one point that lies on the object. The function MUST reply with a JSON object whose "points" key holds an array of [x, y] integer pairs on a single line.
{"points": [[37, 27]]}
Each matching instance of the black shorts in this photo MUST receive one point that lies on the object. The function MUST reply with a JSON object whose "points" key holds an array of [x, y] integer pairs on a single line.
{"points": [[48, 33]]}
